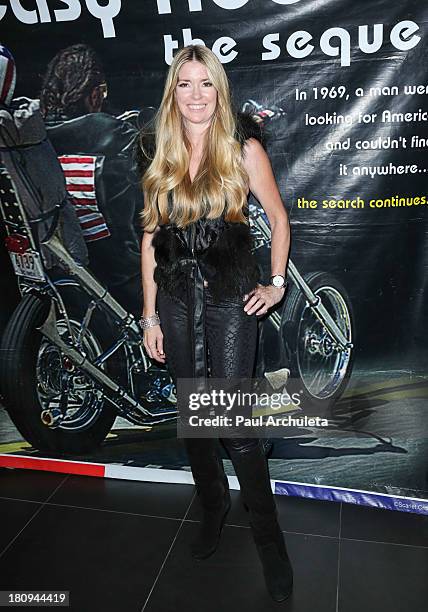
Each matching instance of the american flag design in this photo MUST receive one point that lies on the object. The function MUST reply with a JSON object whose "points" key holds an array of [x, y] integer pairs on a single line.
{"points": [[7, 75], [79, 172]]}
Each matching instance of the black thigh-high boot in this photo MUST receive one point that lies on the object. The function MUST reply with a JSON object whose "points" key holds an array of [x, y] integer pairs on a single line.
{"points": [[252, 471], [212, 487]]}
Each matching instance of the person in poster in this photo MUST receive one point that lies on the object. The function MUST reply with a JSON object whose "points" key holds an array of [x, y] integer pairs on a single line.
{"points": [[96, 151]]}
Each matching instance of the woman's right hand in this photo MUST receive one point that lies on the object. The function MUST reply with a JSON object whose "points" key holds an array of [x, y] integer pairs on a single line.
{"points": [[153, 343]]}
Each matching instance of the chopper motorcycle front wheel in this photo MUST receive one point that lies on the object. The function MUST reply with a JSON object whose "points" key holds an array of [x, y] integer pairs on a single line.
{"points": [[320, 369]]}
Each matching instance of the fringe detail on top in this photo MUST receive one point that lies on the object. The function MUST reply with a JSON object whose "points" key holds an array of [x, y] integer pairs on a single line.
{"points": [[228, 263]]}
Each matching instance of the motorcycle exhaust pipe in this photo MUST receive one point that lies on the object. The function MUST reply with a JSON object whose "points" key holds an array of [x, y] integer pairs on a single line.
{"points": [[51, 417], [50, 331], [89, 282]]}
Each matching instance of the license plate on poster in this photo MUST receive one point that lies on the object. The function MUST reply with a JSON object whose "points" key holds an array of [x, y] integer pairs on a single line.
{"points": [[28, 264]]}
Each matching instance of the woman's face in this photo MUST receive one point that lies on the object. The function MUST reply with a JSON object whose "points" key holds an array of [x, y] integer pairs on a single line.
{"points": [[195, 94]]}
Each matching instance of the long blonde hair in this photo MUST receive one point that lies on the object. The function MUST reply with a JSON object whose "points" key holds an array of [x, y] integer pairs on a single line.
{"points": [[221, 183]]}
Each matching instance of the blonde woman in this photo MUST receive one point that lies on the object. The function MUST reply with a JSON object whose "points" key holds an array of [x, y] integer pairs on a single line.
{"points": [[202, 294]]}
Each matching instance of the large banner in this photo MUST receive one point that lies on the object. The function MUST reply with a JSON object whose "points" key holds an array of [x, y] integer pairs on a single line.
{"points": [[340, 91]]}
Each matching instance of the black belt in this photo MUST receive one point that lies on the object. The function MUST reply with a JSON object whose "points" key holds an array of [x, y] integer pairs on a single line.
{"points": [[196, 314]]}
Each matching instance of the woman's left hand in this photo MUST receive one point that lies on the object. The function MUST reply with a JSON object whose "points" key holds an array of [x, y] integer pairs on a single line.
{"points": [[262, 298]]}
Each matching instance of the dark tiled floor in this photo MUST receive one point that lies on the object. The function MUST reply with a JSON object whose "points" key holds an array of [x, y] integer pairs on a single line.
{"points": [[122, 546]]}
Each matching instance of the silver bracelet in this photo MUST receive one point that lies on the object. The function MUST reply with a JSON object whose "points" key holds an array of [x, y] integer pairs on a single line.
{"points": [[146, 322]]}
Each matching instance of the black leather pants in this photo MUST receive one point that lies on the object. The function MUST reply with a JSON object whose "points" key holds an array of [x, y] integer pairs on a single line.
{"points": [[231, 342]]}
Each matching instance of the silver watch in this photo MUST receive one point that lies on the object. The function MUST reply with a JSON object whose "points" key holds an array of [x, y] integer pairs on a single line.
{"points": [[278, 281]]}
